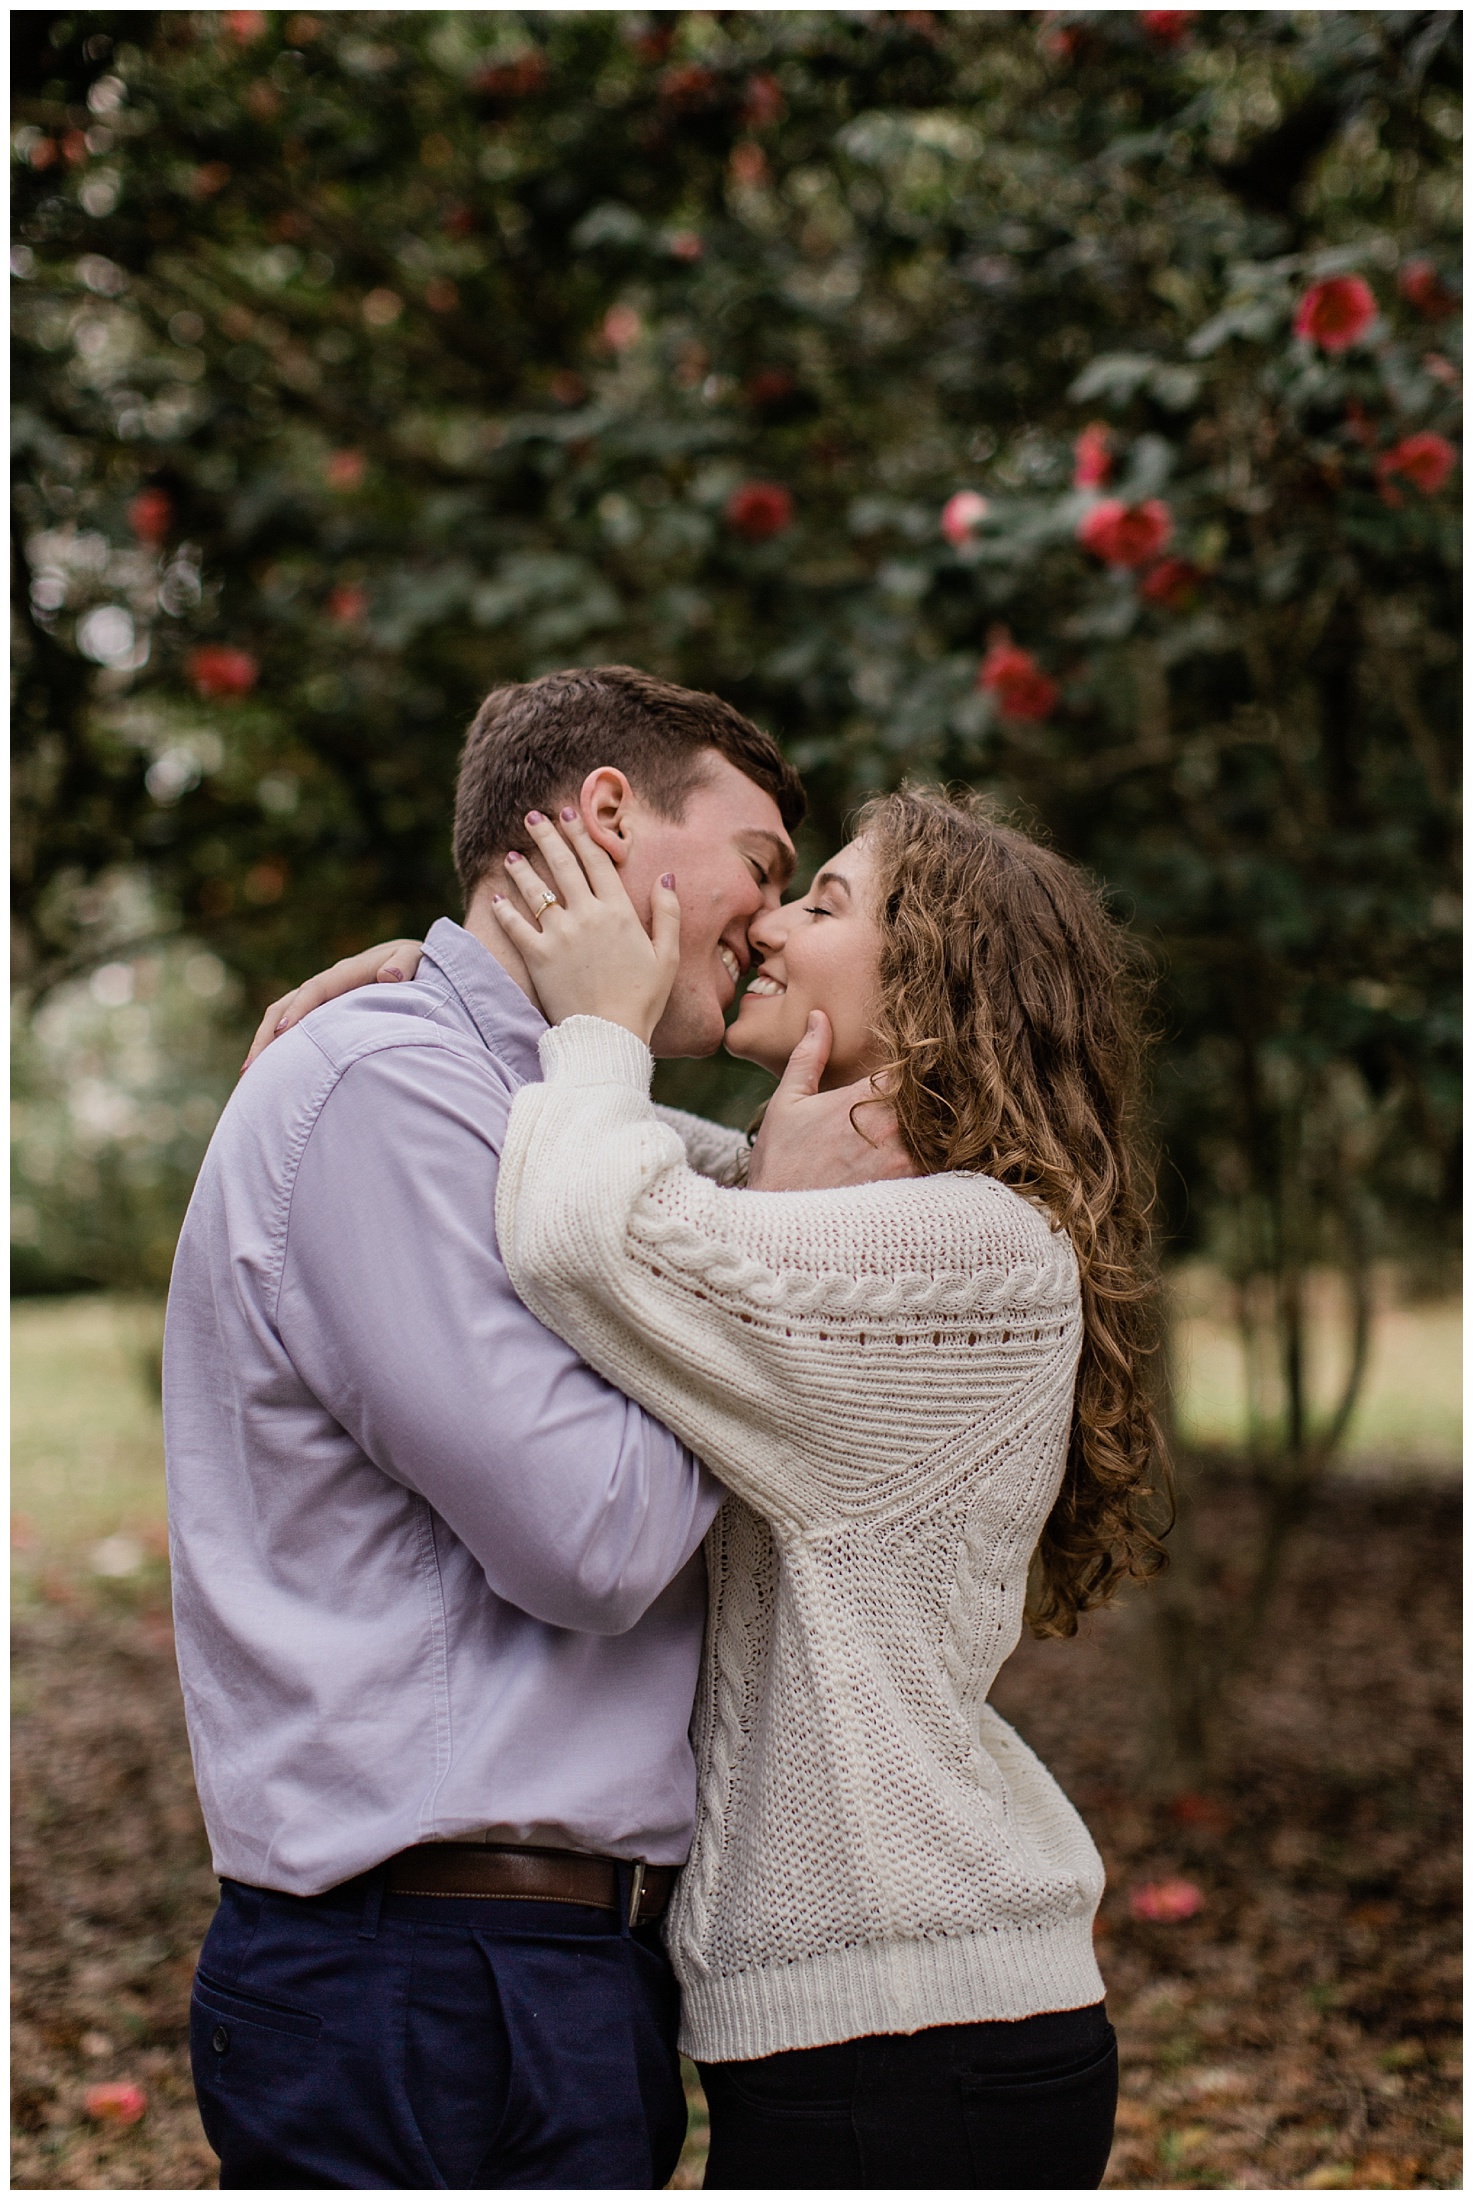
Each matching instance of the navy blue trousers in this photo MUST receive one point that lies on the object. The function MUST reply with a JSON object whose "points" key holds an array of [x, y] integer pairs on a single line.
{"points": [[422, 2042]]}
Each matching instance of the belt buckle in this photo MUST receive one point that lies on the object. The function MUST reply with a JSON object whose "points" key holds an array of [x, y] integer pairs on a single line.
{"points": [[636, 1889]]}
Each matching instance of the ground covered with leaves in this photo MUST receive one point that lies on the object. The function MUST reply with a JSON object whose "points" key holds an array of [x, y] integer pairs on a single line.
{"points": [[1303, 2027], [1299, 2029]]}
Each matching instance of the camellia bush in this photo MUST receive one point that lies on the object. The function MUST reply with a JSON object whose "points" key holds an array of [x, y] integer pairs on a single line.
{"points": [[1064, 404]]}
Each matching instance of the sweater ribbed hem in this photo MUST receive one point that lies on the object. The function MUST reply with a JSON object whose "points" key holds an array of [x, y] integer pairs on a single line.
{"points": [[890, 1986], [588, 1050]]}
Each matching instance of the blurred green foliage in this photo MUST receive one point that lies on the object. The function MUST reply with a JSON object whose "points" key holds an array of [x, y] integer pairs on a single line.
{"points": [[365, 360], [117, 1081]]}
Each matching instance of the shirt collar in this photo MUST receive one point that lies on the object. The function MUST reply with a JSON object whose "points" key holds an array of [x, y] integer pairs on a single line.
{"points": [[507, 1021]]}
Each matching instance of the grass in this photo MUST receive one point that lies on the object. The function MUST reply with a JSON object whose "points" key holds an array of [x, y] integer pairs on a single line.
{"points": [[1409, 1416], [87, 1459]]}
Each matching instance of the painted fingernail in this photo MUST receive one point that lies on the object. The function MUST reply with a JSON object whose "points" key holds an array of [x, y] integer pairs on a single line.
{"points": [[497, 899], [513, 856], [668, 882], [284, 1025], [569, 816], [389, 976], [535, 817]]}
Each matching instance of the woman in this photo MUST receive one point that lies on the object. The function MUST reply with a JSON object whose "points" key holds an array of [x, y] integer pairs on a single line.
{"points": [[911, 1389]]}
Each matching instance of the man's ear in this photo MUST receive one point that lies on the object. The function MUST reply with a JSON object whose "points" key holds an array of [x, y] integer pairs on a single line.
{"points": [[607, 801]]}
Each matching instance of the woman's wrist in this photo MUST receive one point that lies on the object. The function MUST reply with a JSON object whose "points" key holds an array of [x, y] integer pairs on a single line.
{"points": [[596, 1050]]}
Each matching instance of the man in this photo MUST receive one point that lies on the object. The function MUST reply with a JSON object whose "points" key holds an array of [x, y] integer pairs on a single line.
{"points": [[438, 1589]]}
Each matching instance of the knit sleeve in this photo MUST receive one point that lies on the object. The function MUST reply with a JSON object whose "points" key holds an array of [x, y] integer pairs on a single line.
{"points": [[711, 1149], [763, 1327]]}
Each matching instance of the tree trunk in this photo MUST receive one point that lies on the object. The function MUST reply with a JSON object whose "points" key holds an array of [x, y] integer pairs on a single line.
{"points": [[1197, 1639]]}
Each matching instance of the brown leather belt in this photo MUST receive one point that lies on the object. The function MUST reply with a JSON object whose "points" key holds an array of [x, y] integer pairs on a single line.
{"points": [[507, 1874]]}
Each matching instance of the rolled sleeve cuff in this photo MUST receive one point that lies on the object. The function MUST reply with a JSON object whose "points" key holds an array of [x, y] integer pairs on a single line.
{"points": [[587, 1050]]}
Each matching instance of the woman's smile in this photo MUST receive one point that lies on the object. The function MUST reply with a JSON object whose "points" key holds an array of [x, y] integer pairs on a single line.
{"points": [[820, 951]]}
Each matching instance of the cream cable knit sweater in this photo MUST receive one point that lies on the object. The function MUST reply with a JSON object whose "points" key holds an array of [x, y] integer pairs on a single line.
{"points": [[883, 1379]]}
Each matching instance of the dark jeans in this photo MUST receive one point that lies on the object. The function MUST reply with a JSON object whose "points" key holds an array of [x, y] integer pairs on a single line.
{"points": [[1027, 2106], [419, 2042]]}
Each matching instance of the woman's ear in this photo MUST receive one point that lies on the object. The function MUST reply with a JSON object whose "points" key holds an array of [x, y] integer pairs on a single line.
{"points": [[606, 801]]}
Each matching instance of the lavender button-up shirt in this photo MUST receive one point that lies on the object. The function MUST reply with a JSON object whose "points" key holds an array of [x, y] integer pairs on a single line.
{"points": [[432, 1576]]}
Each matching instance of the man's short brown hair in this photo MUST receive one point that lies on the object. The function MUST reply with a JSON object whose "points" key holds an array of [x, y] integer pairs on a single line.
{"points": [[531, 747]]}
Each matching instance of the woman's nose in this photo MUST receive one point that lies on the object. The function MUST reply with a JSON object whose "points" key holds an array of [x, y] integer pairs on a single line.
{"points": [[769, 928]]}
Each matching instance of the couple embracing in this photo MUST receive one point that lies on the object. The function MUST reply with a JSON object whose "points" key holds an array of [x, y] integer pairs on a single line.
{"points": [[595, 1535]]}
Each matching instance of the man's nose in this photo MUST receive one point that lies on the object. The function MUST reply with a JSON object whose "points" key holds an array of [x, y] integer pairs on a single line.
{"points": [[768, 897]]}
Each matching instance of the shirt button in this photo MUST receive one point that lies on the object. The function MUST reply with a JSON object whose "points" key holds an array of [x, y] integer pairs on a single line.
{"points": [[219, 2039]]}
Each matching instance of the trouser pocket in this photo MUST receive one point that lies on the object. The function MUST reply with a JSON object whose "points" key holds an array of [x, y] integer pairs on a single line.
{"points": [[245, 2052], [1031, 2131], [784, 2123]]}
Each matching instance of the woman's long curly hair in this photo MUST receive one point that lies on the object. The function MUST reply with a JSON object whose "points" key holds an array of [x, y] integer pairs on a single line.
{"points": [[1010, 1014]]}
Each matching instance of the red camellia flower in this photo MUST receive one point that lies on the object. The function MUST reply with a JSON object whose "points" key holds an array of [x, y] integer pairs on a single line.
{"points": [[760, 509], [1167, 1901], [1093, 456], [689, 85], [245, 25], [1168, 26], [763, 104], [219, 672], [265, 882], [748, 164], [685, 244], [1014, 677], [962, 515], [1424, 460], [1337, 313], [149, 514], [1172, 584], [1126, 534], [347, 603], [115, 2104], [344, 471], [768, 386], [516, 79], [621, 328], [1422, 287], [651, 41]]}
